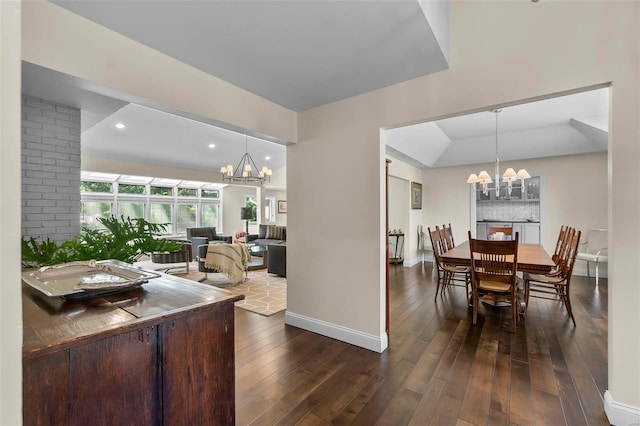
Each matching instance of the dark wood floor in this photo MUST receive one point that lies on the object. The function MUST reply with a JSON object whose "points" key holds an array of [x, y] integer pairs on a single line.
{"points": [[439, 369]]}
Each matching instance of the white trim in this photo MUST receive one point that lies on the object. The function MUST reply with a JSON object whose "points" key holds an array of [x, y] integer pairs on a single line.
{"points": [[620, 414], [410, 263], [368, 341]]}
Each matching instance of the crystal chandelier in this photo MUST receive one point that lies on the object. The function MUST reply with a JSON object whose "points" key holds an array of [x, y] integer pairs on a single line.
{"points": [[246, 171], [509, 176]]}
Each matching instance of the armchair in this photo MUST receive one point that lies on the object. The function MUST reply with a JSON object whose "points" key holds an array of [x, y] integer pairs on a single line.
{"points": [[594, 249], [202, 236]]}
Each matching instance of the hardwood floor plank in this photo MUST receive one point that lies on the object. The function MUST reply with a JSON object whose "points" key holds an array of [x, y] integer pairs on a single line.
{"points": [[543, 377], [501, 385], [548, 409], [476, 403], [421, 375], [400, 409], [374, 408], [571, 406], [520, 398], [446, 411], [425, 409]]}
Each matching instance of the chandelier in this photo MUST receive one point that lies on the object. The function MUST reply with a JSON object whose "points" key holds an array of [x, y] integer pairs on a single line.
{"points": [[246, 171], [509, 176]]}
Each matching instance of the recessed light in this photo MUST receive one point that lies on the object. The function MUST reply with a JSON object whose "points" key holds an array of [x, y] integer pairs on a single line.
{"points": [[267, 158], [120, 126], [212, 145]]}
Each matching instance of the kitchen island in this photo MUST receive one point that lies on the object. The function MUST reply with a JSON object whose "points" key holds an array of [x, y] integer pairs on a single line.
{"points": [[161, 353]]}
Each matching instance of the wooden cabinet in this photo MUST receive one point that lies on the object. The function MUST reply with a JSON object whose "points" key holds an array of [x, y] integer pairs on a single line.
{"points": [[159, 354], [530, 192]]}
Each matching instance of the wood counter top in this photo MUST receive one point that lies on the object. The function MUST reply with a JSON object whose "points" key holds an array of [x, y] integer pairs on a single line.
{"points": [[52, 324]]}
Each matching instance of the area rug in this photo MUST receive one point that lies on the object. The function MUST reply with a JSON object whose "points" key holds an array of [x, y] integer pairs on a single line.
{"points": [[265, 294]]}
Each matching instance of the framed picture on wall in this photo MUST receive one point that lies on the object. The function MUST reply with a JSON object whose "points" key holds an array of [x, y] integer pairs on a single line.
{"points": [[282, 206], [416, 195]]}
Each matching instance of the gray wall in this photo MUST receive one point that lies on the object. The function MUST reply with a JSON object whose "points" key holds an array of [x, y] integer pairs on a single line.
{"points": [[50, 169]]}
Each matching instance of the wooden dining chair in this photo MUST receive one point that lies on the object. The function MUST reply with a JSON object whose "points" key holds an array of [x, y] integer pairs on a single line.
{"points": [[556, 287], [447, 274], [506, 230], [449, 233], [494, 267]]}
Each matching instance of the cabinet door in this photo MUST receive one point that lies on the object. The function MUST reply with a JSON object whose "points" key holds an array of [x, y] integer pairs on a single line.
{"points": [[198, 368], [481, 231], [517, 227], [532, 189], [531, 233], [115, 381], [45, 390]]}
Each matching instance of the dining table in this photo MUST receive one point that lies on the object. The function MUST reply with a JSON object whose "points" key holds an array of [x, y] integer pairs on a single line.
{"points": [[532, 258]]}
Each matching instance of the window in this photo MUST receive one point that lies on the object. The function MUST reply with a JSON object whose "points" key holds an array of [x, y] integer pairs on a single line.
{"points": [[161, 190], [132, 210], [210, 193], [161, 213], [270, 209], [250, 201], [124, 188], [91, 211], [88, 186], [180, 204], [186, 217], [209, 215], [187, 192]]}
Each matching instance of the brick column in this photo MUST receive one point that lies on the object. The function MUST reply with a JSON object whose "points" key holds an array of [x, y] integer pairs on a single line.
{"points": [[50, 169]]}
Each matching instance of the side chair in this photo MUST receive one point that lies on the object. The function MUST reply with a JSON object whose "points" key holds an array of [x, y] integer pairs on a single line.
{"points": [[556, 286], [494, 268], [447, 274]]}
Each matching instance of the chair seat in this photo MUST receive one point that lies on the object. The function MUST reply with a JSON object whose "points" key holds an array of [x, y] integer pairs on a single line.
{"points": [[590, 257], [456, 269], [494, 286], [545, 279]]}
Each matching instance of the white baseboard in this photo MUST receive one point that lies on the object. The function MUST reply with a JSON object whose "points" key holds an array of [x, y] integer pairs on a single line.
{"points": [[620, 414], [368, 341], [412, 262]]}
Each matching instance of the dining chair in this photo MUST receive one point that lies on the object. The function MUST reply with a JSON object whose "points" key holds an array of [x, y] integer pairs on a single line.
{"points": [[594, 249], [449, 233], [447, 274], [564, 238], [506, 230], [494, 267], [556, 287]]}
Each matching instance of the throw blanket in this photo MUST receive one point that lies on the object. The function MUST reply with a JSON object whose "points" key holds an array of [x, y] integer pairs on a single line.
{"points": [[229, 259]]}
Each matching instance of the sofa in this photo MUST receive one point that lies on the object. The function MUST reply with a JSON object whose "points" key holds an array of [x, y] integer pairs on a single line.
{"points": [[268, 235], [202, 236], [277, 259]]}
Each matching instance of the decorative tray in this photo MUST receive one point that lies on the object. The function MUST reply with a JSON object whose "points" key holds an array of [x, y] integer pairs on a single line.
{"points": [[76, 280]]}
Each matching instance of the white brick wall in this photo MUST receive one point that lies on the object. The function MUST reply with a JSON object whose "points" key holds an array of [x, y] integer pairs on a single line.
{"points": [[50, 169]]}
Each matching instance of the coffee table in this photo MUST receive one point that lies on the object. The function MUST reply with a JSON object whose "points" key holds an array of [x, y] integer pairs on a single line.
{"points": [[257, 250]]}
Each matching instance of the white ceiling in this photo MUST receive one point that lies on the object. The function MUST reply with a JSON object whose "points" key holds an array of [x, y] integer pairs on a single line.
{"points": [[300, 54], [572, 124]]}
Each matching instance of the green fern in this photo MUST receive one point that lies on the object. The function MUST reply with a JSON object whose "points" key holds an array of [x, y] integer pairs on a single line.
{"points": [[122, 239]]}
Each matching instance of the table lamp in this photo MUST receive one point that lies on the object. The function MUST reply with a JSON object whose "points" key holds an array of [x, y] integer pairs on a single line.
{"points": [[246, 214]]}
